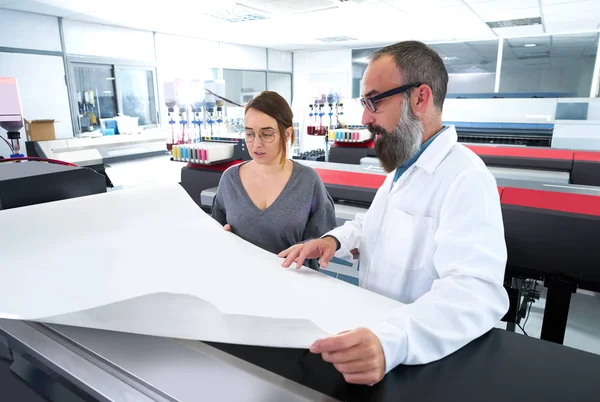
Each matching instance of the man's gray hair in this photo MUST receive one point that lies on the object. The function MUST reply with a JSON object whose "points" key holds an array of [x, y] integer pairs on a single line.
{"points": [[419, 64]]}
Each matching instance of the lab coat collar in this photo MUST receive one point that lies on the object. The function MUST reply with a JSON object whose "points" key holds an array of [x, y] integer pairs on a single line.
{"points": [[435, 153]]}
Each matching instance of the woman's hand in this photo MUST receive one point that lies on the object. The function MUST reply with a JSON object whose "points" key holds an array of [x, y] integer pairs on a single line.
{"points": [[227, 227]]}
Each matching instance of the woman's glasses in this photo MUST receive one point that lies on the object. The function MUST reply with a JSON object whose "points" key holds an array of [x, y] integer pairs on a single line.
{"points": [[267, 136]]}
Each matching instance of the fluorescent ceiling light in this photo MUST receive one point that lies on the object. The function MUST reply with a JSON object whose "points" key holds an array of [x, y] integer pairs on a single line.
{"points": [[530, 45]]}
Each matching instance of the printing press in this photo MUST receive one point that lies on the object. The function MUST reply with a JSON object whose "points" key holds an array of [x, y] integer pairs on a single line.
{"points": [[64, 363], [551, 223]]}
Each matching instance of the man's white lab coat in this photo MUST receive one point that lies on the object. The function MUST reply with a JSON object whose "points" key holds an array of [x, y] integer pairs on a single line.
{"points": [[435, 241]]}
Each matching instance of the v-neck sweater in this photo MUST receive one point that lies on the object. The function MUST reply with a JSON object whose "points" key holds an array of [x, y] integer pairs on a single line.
{"points": [[303, 210]]}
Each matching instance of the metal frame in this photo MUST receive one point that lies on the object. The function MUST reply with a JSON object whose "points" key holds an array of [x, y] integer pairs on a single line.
{"points": [[596, 77], [116, 65], [499, 64], [30, 51]]}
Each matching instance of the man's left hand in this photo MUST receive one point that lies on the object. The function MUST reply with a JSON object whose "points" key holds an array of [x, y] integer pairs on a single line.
{"points": [[357, 354]]}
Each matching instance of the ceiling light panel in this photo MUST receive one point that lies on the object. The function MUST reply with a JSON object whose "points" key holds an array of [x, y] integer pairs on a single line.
{"points": [[330, 39], [288, 6], [409, 5], [236, 14], [515, 23], [528, 30]]}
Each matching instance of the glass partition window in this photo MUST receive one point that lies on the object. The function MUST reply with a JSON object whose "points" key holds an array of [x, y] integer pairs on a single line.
{"points": [[562, 65], [242, 86], [471, 65], [105, 91], [137, 95], [95, 95], [359, 66], [280, 83]]}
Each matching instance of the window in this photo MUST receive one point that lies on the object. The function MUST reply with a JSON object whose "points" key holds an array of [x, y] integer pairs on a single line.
{"points": [[95, 95], [105, 91], [557, 65], [280, 83], [359, 66], [471, 66], [242, 86], [137, 94]]}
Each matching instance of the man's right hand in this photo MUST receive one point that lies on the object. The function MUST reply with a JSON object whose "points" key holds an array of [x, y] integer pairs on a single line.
{"points": [[324, 249]]}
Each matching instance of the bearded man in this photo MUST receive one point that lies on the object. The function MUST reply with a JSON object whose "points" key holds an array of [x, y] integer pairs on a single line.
{"points": [[433, 238]]}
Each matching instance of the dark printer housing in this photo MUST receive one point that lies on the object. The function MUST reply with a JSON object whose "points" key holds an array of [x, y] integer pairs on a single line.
{"points": [[30, 183]]}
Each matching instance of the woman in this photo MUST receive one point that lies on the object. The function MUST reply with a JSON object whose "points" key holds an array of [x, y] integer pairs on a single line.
{"points": [[272, 201]]}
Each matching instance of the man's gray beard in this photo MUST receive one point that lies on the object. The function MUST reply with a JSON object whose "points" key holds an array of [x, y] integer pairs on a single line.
{"points": [[395, 147]]}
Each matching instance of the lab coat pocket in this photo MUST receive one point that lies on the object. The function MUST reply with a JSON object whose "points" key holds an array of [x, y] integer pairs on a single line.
{"points": [[408, 240]]}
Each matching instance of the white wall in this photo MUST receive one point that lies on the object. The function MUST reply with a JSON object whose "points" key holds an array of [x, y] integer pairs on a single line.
{"points": [[316, 73], [42, 88], [280, 61], [242, 57], [82, 38], [182, 58], [185, 58], [29, 31]]}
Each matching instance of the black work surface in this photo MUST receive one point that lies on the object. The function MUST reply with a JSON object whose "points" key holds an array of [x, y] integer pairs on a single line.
{"points": [[500, 366], [30, 183], [12, 388]]}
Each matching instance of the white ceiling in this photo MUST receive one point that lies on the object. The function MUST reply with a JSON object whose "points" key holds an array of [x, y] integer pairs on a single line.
{"points": [[297, 24]]}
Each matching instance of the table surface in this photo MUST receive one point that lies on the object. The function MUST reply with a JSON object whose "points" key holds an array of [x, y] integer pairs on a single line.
{"points": [[500, 366]]}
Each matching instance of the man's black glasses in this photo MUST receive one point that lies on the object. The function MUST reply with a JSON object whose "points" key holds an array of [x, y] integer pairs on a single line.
{"points": [[371, 103]]}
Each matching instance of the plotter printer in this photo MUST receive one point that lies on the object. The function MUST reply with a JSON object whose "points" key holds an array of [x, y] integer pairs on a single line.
{"points": [[64, 363]]}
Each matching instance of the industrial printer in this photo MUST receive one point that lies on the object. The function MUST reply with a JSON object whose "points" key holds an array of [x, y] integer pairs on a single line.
{"points": [[541, 133], [31, 180], [550, 202], [62, 363]]}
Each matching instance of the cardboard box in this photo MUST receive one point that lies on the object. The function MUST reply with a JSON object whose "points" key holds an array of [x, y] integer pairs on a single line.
{"points": [[40, 130]]}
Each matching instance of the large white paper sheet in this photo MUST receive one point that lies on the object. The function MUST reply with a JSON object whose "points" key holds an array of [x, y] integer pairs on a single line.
{"points": [[150, 261]]}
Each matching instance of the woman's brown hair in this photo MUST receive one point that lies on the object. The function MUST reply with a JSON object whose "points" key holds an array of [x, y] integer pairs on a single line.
{"points": [[274, 105]]}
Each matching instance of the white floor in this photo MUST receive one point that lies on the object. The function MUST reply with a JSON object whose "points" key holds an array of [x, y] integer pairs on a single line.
{"points": [[583, 327]]}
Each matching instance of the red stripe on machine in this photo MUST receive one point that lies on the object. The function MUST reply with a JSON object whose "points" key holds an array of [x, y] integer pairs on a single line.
{"points": [[522, 152], [587, 156], [554, 201], [220, 167], [500, 191], [338, 177]]}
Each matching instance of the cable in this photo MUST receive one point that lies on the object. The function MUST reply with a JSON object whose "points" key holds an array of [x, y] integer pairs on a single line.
{"points": [[222, 98], [530, 304], [12, 150], [522, 329]]}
